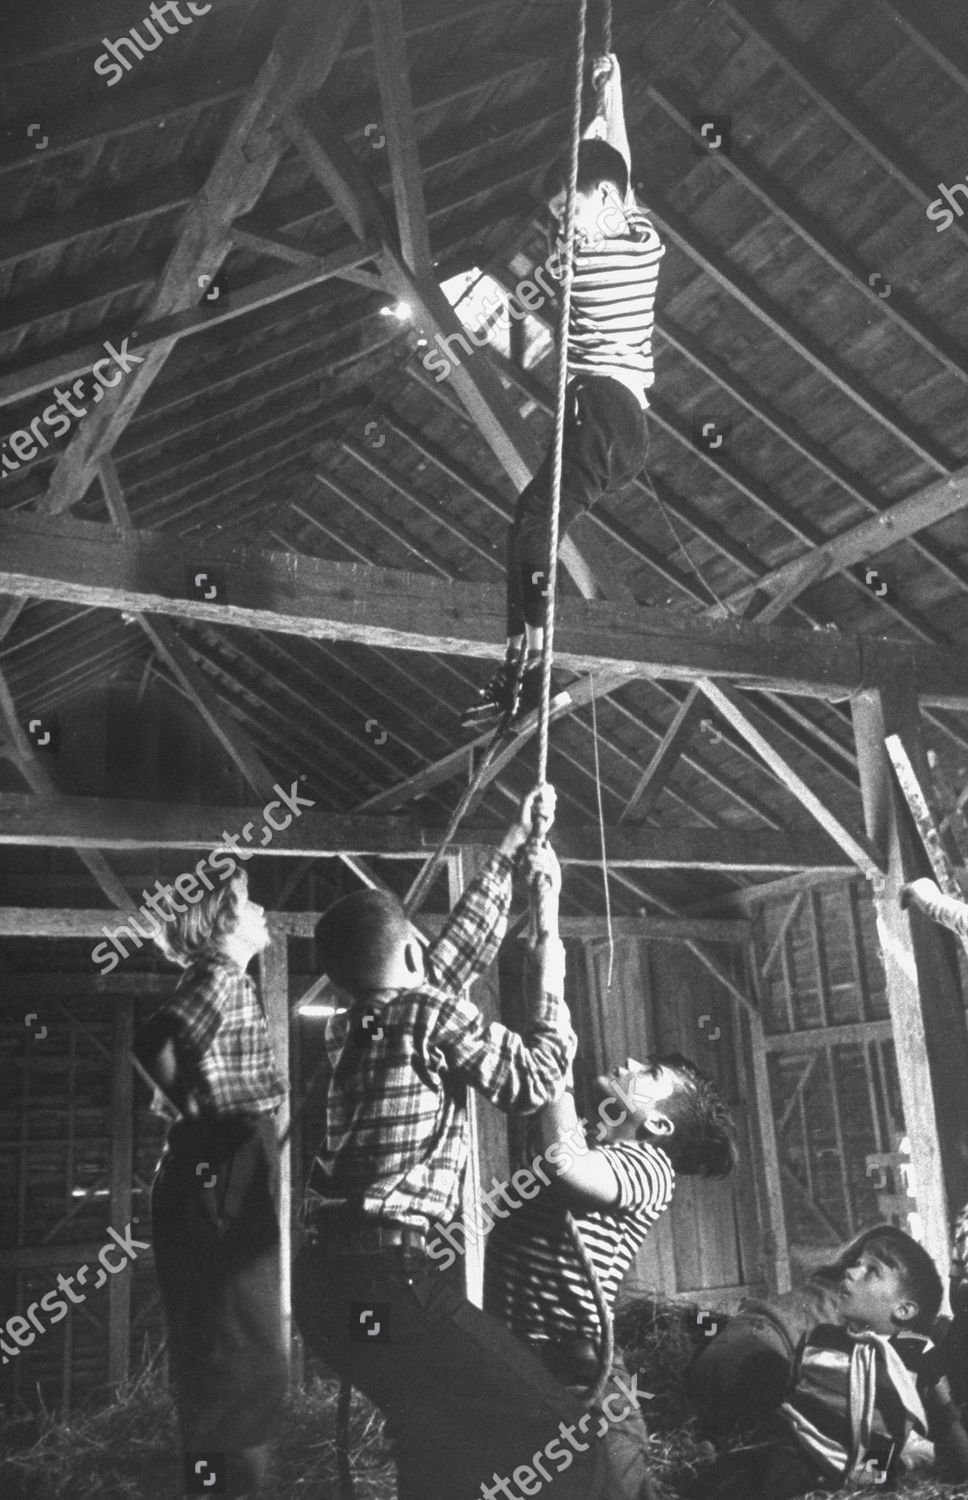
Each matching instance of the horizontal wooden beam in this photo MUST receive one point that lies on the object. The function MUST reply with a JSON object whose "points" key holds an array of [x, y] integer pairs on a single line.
{"points": [[76, 922], [92, 566], [95, 822], [79, 922], [656, 929], [829, 1036]]}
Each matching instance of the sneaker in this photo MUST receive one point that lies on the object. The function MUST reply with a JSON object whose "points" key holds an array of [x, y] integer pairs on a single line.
{"points": [[528, 695], [494, 700]]}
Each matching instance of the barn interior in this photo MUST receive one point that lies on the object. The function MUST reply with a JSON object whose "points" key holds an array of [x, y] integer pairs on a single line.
{"points": [[271, 555]]}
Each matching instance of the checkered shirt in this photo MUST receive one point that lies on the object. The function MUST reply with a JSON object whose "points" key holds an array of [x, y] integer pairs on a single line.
{"points": [[395, 1090], [222, 1041]]}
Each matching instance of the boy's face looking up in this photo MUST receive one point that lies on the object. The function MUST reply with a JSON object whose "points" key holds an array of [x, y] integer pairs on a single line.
{"points": [[251, 928], [874, 1297], [639, 1091]]}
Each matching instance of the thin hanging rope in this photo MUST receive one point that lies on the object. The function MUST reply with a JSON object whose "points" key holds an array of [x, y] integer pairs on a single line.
{"points": [[601, 834], [564, 317], [645, 479], [607, 26]]}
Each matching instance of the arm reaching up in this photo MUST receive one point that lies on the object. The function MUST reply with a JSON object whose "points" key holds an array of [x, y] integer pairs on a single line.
{"points": [[608, 122]]}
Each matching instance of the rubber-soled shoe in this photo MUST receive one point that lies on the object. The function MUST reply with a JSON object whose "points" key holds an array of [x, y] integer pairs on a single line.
{"points": [[494, 700], [528, 693]]}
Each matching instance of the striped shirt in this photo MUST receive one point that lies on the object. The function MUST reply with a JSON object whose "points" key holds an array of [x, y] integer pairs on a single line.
{"points": [[533, 1280], [395, 1088], [613, 304], [222, 1042], [856, 1399]]}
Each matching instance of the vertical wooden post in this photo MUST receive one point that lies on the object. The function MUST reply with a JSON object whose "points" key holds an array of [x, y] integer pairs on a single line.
{"points": [[274, 972], [122, 1137], [776, 1243], [487, 1133], [920, 963]]}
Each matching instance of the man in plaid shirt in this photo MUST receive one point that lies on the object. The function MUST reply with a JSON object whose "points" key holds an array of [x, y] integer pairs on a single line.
{"points": [[214, 1201], [463, 1400]]}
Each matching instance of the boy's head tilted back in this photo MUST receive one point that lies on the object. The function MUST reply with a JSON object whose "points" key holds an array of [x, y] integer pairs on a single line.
{"points": [[890, 1283], [203, 929], [680, 1108], [366, 943]]}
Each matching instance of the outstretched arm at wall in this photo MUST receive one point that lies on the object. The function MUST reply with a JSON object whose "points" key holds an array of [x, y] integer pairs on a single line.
{"points": [[927, 896]]}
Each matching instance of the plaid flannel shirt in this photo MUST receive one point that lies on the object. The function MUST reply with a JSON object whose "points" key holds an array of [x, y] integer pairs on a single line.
{"points": [[395, 1142], [222, 1041]]}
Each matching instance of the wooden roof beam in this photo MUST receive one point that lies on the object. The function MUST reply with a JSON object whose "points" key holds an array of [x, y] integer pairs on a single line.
{"points": [[162, 332], [393, 77], [856, 845], [91, 565], [22, 754], [307, 45], [128, 824]]}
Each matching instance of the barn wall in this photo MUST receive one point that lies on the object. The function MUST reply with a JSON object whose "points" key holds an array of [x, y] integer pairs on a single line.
{"points": [[75, 1158], [834, 1094]]}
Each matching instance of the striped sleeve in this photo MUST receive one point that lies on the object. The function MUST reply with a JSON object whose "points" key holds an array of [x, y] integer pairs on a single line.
{"points": [[644, 1175]]}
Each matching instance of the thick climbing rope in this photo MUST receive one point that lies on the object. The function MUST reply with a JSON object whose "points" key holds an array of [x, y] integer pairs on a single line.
{"points": [[421, 886], [564, 317]]}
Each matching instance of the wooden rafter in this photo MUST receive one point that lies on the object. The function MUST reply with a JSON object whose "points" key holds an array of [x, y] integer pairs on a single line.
{"points": [[90, 564], [92, 822], [22, 754], [856, 845], [305, 50]]}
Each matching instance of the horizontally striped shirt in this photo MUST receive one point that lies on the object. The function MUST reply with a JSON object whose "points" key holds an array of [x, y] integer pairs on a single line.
{"points": [[533, 1280], [855, 1399], [613, 304], [395, 1089]]}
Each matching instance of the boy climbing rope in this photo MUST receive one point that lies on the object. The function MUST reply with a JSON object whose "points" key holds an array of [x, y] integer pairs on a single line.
{"points": [[609, 349]]}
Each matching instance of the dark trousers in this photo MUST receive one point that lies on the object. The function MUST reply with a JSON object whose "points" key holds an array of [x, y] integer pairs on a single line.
{"points": [[214, 1207], [606, 442], [768, 1471], [622, 1464], [465, 1403], [742, 1375]]}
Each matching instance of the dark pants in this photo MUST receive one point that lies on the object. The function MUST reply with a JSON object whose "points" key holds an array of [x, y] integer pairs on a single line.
{"points": [[742, 1375], [768, 1471], [622, 1469], [214, 1207], [465, 1402], [606, 442]]}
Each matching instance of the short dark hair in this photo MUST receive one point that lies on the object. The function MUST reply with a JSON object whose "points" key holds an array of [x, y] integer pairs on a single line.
{"points": [[917, 1273], [597, 162], [356, 935], [703, 1142]]}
